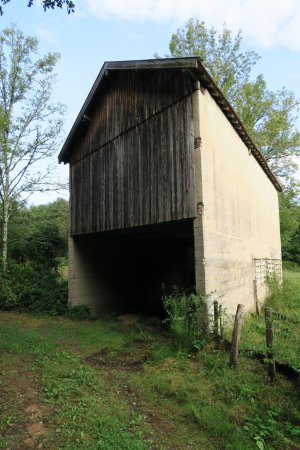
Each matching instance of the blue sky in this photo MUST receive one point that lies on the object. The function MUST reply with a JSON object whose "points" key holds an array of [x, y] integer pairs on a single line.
{"points": [[107, 30]]}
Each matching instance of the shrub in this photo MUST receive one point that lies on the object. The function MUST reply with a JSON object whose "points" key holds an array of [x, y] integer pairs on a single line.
{"points": [[29, 287], [187, 317], [79, 312]]}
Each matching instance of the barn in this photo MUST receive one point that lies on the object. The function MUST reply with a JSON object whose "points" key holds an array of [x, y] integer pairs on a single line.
{"points": [[166, 189]]}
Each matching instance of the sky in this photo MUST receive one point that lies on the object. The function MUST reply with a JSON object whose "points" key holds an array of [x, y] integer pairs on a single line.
{"points": [[108, 30]]}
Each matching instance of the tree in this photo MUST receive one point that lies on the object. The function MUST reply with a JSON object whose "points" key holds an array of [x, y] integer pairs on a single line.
{"points": [[30, 124], [221, 54], [27, 224], [47, 4], [35, 277], [268, 116], [290, 225]]}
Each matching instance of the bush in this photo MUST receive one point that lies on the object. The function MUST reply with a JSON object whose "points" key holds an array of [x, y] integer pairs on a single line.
{"points": [[29, 287], [187, 317], [34, 280], [290, 265], [79, 312], [284, 296]]}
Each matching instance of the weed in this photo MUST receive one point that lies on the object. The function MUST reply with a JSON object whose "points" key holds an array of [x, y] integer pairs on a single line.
{"points": [[187, 317], [79, 312], [284, 299], [269, 428], [175, 400]]}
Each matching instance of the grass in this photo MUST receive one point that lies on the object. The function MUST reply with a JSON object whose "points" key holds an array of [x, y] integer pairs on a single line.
{"points": [[69, 389], [284, 299], [106, 385]]}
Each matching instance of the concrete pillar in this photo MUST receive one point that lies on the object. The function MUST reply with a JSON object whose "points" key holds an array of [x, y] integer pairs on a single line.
{"points": [[198, 223]]}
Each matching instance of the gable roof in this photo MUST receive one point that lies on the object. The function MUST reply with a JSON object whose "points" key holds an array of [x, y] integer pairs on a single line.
{"points": [[194, 66]]}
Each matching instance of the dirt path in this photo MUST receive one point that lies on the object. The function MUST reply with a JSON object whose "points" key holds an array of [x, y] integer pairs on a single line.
{"points": [[158, 427], [20, 410]]}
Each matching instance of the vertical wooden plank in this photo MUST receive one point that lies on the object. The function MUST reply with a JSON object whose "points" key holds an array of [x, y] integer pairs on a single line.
{"points": [[184, 159], [236, 334], [145, 175], [269, 342], [145, 144], [166, 169], [216, 319], [175, 160], [171, 186], [178, 156], [141, 156], [221, 322], [255, 296], [102, 196], [191, 159]]}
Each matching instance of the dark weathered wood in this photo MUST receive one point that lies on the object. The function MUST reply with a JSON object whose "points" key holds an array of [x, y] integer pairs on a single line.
{"points": [[255, 297], [269, 342], [145, 175], [236, 334], [216, 319], [190, 69], [129, 98], [221, 322]]}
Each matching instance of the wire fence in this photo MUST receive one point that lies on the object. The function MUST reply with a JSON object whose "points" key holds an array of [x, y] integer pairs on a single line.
{"points": [[272, 334]]}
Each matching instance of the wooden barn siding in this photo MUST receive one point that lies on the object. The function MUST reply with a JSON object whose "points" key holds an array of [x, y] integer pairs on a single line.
{"points": [[127, 99], [144, 176]]}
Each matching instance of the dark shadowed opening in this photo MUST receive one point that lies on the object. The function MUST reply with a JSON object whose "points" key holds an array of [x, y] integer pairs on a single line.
{"points": [[137, 267]]}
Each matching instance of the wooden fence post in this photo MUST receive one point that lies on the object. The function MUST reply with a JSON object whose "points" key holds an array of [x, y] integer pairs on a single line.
{"points": [[221, 322], [255, 296], [236, 334], [216, 319], [269, 342]]}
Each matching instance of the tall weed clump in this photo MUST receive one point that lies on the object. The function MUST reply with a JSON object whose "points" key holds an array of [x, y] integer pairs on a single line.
{"points": [[187, 318], [284, 295], [283, 299]]}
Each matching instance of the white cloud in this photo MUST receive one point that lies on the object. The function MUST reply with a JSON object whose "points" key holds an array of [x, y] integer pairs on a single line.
{"points": [[269, 23], [44, 33]]}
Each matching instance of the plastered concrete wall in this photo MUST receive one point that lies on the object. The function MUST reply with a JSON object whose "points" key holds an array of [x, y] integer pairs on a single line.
{"points": [[89, 283], [238, 216]]}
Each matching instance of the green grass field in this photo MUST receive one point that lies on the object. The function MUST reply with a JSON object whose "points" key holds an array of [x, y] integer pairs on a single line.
{"points": [[108, 385], [285, 300]]}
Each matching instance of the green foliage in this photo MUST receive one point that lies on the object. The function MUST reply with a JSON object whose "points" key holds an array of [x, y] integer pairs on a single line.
{"points": [[290, 225], [291, 266], [79, 312], [33, 287], [283, 299], [39, 232], [270, 426], [93, 396], [187, 317], [32, 280], [79, 415], [30, 123], [270, 117], [221, 53], [47, 4]]}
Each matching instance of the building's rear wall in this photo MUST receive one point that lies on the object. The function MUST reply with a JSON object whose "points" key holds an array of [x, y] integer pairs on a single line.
{"points": [[240, 218]]}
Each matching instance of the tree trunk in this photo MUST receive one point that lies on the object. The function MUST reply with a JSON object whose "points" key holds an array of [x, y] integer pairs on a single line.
{"points": [[5, 232]]}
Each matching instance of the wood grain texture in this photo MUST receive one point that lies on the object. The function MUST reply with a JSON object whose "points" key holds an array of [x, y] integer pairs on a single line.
{"points": [[134, 164]]}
